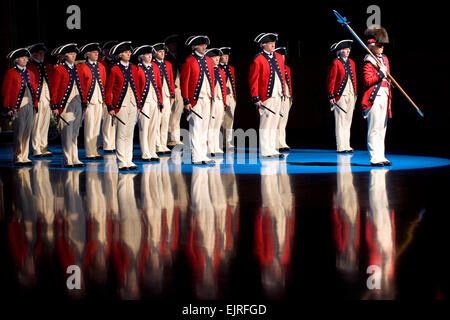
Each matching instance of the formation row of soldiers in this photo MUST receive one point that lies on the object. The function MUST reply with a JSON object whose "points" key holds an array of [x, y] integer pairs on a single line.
{"points": [[111, 97], [153, 92]]}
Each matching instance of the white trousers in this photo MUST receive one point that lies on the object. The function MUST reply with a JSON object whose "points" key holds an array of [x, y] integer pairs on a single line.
{"points": [[377, 119], [73, 115], [343, 121], [268, 123], [214, 140], [39, 141], [124, 135], [228, 120], [163, 127], [148, 129], [108, 131], [92, 122], [198, 130], [175, 115], [23, 125], [282, 122]]}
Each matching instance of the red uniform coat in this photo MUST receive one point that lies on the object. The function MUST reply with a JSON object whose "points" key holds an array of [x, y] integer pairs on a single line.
{"points": [[144, 90], [114, 87], [223, 86], [86, 79], [190, 76], [60, 83], [49, 69], [11, 88], [168, 76], [372, 84], [288, 78], [335, 78], [260, 80], [230, 74]]}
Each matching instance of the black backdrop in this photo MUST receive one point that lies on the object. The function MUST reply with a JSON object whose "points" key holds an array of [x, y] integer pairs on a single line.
{"points": [[308, 29]]}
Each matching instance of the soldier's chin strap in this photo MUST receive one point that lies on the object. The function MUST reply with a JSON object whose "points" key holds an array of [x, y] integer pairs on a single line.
{"points": [[343, 21]]}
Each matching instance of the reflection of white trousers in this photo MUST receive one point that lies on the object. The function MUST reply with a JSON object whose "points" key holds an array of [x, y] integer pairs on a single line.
{"points": [[148, 129], [124, 135], [108, 131], [377, 118], [92, 121], [163, 127], [198, 129], [214, 141], [39, 141], [268, 123], [73, 115], [228, 120], [176, 112], [282, 122], [343, 121], [22, 131]]}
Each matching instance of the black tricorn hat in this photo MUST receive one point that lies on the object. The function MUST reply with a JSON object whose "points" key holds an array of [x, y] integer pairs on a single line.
{"points": [[107, 45], [376, 34], [197, 40], [214, 52], [226, 50], [94, 46], [21, 52], [159, 46], [281, 50], [266, 37], [341, 45], [121, 47], [70, 47], [37, 47], [146, 48], [173, 38]]}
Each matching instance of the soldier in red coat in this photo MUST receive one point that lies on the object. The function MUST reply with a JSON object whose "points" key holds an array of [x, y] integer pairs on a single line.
{"points": [[69, 103], [376, 101], [108, 128], [123, 95], [43, 72], [286, 104], [93, 79], [267, 88], [341, 87], [168, 94], [19, 97], [230, 82], [219, 104], [151, 102], [197, 89]]}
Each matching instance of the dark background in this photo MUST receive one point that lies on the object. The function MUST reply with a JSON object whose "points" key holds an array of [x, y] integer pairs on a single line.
{"points": [[308, 29]]}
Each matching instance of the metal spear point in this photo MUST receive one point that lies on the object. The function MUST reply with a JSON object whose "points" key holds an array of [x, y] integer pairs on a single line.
{"points": [[343, 21]]}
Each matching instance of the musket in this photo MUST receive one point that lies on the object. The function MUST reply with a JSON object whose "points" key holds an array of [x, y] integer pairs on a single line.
{"points": [[120, 120], [145, 115], [264, 107], [343, 21], [196, 114], [335, 104], [64, 120]]}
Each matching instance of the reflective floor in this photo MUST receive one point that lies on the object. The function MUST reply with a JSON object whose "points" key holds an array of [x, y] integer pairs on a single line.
{"points": [[314, 225]]}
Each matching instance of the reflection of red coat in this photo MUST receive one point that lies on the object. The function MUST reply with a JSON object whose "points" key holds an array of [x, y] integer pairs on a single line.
{"points": [[189, 78], [11, 88], [335, 78], [114, 87], [375, 254], [18, 244], [86, 78], [92, 243], [265, 246], [373, 82], [260, 79], [341, 230]]}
